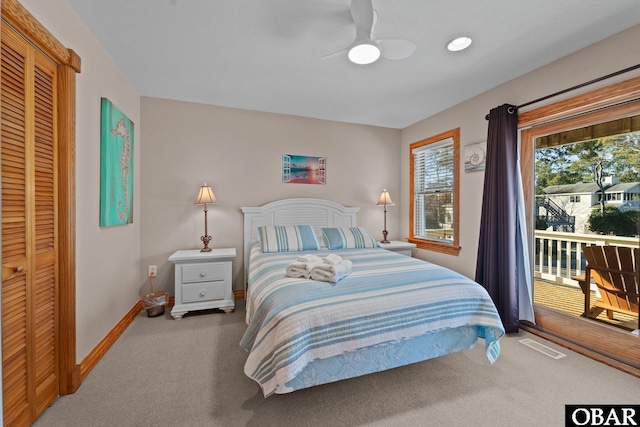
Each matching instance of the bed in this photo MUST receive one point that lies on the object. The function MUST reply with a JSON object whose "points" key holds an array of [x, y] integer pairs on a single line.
{"points": [[390, 310]]}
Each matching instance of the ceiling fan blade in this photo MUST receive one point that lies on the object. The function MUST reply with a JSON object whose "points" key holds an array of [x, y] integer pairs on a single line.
{"points": [[363, 17], [373, 25], [331, 55], [396, 48]]}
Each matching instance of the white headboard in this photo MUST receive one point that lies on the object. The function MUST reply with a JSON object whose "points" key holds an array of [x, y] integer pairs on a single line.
{"points": [[300, 211]]}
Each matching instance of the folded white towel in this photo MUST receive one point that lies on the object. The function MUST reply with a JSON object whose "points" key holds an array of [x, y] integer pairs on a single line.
{"points": [[301, 269], [331, 273], [309, 258], [332, 259]]}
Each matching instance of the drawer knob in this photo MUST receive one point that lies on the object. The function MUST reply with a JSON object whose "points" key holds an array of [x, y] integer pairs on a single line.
{"points": [[203, 273], [203, 293]]}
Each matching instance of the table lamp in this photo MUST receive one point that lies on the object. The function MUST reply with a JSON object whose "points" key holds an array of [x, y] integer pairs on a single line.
{"points": [[385, 200], [205, 196]]}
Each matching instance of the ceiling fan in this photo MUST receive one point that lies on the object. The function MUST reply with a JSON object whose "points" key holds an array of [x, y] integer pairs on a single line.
{"points": [[365, 49]]}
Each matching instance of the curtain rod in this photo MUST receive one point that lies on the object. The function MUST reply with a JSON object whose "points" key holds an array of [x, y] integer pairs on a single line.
{"points": [[599, 79]]}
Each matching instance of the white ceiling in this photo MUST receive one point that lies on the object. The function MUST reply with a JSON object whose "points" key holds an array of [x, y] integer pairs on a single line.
{"points": [[265, 55]]}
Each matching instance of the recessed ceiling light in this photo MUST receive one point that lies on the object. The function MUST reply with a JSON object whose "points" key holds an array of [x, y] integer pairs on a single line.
{"points": [[459, 43], [364, 53]]}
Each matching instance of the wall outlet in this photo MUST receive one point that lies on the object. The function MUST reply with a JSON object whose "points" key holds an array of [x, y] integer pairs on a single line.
{"points": [[153, 271]]}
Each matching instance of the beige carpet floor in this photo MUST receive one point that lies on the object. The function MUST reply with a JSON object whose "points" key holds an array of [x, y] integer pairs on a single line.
{"points": [[189, 372]]}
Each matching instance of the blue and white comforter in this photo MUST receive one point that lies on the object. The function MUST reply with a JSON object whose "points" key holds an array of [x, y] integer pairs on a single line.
{"points": [[388, 297]]}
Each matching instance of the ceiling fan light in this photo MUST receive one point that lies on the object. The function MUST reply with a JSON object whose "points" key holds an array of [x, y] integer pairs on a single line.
{"points": [[459, 43], [364, 53]]}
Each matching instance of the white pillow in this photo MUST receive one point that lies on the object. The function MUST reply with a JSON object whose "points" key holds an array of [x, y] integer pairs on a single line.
{"points": [[287, 238], [349, 238]]}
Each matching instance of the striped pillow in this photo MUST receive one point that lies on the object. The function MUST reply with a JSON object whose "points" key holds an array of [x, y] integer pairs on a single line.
{"points": [[287, 238], [349, 238]]}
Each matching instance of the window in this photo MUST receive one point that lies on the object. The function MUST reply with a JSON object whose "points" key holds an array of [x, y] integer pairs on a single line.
{"points": [[434, 192], [574, 199]]}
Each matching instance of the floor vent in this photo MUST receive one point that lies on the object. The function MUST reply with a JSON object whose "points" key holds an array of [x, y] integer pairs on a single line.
{"points": [[542, 348]]}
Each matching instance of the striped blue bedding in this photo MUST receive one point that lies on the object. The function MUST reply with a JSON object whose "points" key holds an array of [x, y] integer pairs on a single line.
{"points": [[388, 298]]}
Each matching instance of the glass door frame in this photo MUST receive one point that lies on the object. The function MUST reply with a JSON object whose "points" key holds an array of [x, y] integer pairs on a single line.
{"points": [[601, 342]]}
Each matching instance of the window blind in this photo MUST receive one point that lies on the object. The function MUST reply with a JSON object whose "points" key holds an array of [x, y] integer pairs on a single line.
{"points": [[433, 168], [433, 186]]}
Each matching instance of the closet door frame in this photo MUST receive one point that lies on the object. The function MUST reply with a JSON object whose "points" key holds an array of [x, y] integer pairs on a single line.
{"points": [[68, 65]]}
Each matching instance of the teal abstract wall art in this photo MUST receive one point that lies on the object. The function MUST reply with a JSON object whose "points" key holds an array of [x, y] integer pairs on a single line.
{"points": [[116, 166]]}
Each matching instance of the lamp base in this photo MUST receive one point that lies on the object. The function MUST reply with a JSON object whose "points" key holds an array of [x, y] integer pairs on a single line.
{"points": [[384, 237], [205, 239]]}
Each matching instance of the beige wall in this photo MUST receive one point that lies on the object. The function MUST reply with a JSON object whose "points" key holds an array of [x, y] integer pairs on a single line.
{"points": [[610, 55], [239, 153], [107, 259]]}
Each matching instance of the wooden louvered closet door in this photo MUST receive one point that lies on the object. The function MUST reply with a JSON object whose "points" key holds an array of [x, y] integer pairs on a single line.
{"points": [[29, 215]]}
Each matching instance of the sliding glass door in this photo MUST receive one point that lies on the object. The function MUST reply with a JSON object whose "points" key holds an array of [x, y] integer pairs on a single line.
{"points": [[582, 186], [587, 192]]}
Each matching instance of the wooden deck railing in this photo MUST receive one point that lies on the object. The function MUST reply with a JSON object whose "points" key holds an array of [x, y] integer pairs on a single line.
{"points": [[558, 255]]}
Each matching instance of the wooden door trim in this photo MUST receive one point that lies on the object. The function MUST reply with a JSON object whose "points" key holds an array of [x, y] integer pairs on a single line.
{"points": [[15, 14], [68, 64], [546, 318], [615, 94], [69, 369]]}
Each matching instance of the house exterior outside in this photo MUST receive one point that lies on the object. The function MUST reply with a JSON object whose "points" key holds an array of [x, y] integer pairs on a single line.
{"points": [[578, 200], [625, 196]]}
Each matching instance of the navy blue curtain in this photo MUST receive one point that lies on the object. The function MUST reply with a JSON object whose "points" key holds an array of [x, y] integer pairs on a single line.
{"points": [[496, 267]]}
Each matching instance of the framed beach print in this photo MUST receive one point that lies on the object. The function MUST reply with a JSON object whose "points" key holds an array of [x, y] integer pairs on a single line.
{"points": [[116, 166], [298, 169]]}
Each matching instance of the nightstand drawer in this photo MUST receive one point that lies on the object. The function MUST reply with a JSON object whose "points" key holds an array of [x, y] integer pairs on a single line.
{"points": [[204, 272], [203, 292]]}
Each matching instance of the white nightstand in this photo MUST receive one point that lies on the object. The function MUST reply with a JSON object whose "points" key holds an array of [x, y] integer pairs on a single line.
{"points": [[399, 246], [203, 280]]}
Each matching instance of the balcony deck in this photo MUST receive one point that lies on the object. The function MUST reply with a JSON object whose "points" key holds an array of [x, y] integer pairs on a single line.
{"points": [[570, 300]]}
